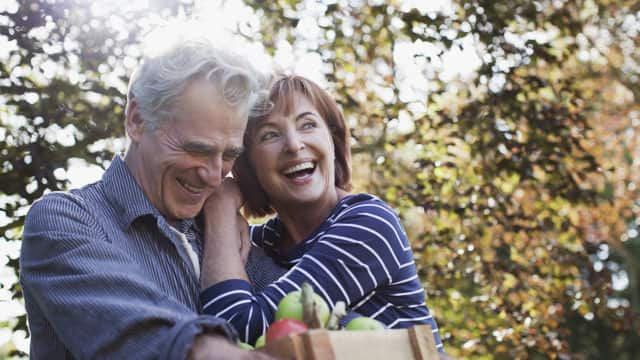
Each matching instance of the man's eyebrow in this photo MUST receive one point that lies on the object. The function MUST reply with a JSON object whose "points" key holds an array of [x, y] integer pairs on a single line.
{"points": [[203, 148], [234, 151], [199, 147]]}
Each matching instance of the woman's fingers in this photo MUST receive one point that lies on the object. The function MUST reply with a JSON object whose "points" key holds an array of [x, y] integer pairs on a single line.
{"points": [[245, 238]]}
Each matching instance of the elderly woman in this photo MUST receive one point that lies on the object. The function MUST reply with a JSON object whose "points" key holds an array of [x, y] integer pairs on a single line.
{"points": [[349, 247]]}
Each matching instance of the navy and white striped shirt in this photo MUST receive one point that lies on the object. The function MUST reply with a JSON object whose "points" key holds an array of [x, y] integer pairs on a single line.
{"points": [[359, 255], [105, 276]]}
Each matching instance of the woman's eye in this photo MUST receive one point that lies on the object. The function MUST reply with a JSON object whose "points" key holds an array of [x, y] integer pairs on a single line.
{"points": [[310, 124], [268, 135]]}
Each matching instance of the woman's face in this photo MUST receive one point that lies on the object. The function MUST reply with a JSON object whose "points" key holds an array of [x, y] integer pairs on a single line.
{"points": [[293, 157]]}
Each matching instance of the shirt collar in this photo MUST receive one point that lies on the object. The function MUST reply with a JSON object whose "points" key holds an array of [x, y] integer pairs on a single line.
{"points": [[125, 194]]}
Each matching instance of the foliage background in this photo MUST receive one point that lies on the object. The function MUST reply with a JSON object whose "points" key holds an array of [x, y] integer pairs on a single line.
{"points": [[517, 180]]}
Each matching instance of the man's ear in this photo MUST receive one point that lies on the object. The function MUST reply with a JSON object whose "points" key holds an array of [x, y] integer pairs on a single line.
{"points": [[134, 125]]}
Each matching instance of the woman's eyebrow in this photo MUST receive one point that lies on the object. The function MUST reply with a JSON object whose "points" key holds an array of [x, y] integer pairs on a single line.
{"points": [[262, 125], [301, 115], [267, 123]]}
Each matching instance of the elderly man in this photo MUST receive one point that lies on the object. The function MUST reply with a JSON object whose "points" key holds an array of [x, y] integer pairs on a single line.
{"points": [[112, 270]]}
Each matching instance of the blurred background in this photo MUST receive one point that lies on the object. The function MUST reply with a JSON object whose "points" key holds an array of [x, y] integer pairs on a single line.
{"points": [[505, 133]]}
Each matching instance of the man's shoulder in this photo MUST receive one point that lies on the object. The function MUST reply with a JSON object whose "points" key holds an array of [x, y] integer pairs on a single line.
{"points": [[74, 197], [80, 204]]}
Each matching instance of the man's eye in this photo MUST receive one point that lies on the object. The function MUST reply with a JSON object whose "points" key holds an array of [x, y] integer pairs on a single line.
{"points": [[230, 156]]}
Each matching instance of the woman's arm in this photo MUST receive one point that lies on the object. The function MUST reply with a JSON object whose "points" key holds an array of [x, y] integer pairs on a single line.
{"points": [[357, 254]]}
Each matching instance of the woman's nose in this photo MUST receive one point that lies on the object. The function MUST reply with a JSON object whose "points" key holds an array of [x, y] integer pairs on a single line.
{"points": [[294, 142]]}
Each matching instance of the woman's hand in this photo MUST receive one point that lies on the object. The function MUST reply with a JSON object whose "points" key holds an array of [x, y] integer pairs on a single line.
{"points": [[245, 238], [225, 200], [226, 238], [223, 219]]}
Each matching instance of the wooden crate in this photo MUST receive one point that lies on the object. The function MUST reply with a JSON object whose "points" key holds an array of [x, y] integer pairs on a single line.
{"points": [[319, 344]]}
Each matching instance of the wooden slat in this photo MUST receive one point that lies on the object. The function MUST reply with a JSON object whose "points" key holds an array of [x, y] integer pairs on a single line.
{"points": [[287, 348], [371, 345], [423, 343], [319, 344]]}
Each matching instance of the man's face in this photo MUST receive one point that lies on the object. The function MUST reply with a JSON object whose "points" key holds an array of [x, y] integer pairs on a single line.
{"points": [[180, 164]]}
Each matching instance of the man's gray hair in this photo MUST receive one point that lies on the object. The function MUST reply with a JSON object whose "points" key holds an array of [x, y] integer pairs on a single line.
{"points": [[175, 62]]}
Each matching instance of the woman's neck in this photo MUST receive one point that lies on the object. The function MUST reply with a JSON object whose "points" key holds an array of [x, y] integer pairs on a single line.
{"points": [[302, 220]]}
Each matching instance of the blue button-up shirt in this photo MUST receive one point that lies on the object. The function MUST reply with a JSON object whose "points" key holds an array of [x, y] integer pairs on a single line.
{"points": [[104, 275]]}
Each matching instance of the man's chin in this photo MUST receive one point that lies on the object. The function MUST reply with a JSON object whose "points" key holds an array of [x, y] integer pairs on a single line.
{"points": [[187, 213]]}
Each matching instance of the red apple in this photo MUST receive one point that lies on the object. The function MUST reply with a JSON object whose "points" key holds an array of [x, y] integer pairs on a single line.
{"points": [[285, 327]]}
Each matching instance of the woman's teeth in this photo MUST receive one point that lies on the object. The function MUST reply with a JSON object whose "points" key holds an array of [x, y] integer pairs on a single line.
{"points": [[299, 167]]}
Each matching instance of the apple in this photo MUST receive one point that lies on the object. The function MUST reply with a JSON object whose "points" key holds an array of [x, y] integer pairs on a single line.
{"points": [[364, 323], [259, 342], [285, 327], [290, 307]]}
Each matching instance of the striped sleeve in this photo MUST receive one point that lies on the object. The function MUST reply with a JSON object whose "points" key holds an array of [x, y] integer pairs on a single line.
{"points": [[263, 235], [359, 252]]}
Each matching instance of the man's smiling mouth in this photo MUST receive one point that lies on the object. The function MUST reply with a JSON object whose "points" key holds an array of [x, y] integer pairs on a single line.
{"points": [[191, 188]]}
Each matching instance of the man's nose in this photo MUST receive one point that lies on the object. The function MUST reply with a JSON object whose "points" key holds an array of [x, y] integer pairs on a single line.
{"points": [[211, 171]]}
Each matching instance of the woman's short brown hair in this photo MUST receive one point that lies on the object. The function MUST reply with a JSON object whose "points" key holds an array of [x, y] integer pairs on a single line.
{"points": [[281, 97]]}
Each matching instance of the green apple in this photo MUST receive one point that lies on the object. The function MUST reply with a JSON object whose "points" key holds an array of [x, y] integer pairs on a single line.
{"points": [[244, 345], [290, 307], [260, 342], [364, 323]]}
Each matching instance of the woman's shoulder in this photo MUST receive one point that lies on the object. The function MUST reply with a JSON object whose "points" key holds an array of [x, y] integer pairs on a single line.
{"points": [[362, 203], [267, 233], [366, 219], [270, 223]]}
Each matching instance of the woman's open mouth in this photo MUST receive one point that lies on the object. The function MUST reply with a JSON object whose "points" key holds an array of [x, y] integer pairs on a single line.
{"points": [[300, 171]]}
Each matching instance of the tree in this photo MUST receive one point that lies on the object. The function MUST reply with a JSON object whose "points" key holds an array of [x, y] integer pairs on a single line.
{"points": [[496, 174], [63, 83], [517, 180]]}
